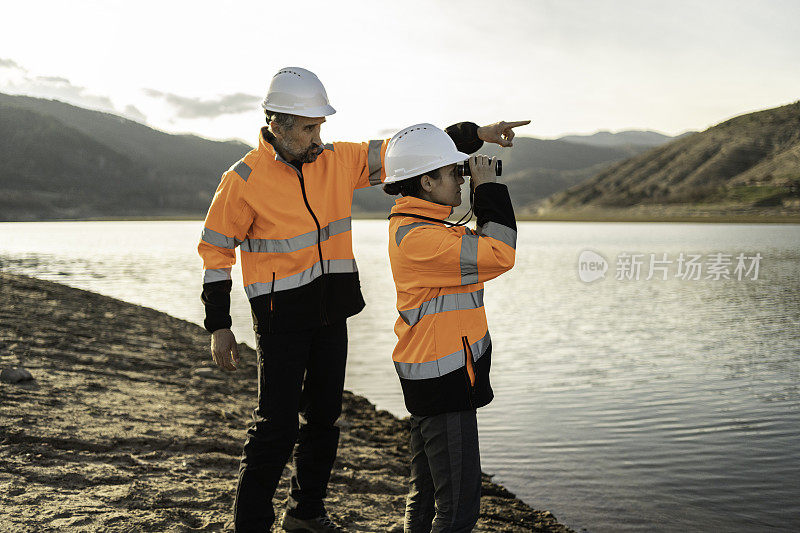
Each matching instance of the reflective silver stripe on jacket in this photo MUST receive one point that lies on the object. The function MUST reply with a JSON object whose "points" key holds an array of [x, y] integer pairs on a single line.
{"points": [[332, 266], [445, 365], [243, 170], [297, 243], [402, 231], [218, 239], [374, 162], [501, 233], [443, 303], [469, 259], [211, 275]]}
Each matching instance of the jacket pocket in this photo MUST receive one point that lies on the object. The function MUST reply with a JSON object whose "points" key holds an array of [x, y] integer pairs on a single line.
{"points": [[469, 372]]}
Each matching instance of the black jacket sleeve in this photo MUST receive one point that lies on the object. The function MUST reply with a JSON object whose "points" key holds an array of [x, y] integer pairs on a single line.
{"points": [[493, 204], [465, 135], [217, 301]]}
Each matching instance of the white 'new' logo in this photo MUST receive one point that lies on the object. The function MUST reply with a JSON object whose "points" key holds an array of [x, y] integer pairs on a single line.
{"points": [[591, 266]]}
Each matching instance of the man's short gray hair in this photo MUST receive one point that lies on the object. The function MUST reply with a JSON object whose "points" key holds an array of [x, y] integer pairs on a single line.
{"points": [[284, 120]]}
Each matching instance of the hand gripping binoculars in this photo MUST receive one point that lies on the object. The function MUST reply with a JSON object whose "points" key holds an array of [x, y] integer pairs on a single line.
{"points": [[463, 171]]}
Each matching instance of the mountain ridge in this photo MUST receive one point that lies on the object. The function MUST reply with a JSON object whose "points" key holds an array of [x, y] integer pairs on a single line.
{"points": [[751, 160], [177, 174], [622, 138], [59, 161]]}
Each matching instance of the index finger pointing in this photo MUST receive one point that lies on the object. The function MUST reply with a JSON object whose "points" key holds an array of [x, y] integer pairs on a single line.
{"points": [[518, 123]]}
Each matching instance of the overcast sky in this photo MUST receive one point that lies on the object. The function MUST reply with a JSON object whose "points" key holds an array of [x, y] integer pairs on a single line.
{"points": [[569, 66]]}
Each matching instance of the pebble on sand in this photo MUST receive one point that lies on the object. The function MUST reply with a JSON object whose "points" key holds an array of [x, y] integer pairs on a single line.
{"points": [[207, 373], [15, 375]]}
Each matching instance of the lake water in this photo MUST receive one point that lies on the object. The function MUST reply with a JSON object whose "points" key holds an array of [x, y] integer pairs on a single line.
{"points": [[621, 404]]}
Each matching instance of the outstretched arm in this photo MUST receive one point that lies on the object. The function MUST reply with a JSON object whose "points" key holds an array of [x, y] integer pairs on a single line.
{"points": [[501, 133], [367, 158]]}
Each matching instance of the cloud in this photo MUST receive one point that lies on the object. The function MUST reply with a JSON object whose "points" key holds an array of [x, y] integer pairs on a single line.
{"points": [[133, 113], [53, 80], [60, 88], [17, 80], [186, 107], [10, 63]]}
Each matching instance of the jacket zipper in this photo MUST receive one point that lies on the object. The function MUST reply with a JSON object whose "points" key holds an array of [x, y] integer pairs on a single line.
{"points": [[271, 306], [468, 364], [319, 244]]}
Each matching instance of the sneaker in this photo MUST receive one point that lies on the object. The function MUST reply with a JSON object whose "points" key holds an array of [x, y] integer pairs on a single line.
{"points": [[319, 524]]}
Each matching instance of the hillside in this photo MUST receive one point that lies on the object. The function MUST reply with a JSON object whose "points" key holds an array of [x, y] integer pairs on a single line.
{"points": [[536, 168], [58, 161], [49, 170], [62, 161], [533, 169], [183, 156], [748, 162]]}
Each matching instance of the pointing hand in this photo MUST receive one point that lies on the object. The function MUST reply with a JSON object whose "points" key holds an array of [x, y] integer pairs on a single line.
{"points": [[500, 132]]}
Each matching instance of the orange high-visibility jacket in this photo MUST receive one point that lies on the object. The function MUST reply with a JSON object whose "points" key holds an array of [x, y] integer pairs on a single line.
{"points": [[292, 225], [443, 352], [293, 230]]}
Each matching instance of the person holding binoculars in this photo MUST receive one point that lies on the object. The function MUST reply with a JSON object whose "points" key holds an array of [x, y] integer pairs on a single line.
{"points": [[443, 353], [287, 206]]}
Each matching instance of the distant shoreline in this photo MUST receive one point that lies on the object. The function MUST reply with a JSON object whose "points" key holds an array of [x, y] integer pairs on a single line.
{"points": [[709, 218], [739, 218]]}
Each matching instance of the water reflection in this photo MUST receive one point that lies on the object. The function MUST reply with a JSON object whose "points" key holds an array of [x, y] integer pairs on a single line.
{"points": [[620, 405]]}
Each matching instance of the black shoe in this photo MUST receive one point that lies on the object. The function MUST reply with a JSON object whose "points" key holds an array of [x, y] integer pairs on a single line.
{"points": [[319, 524]]}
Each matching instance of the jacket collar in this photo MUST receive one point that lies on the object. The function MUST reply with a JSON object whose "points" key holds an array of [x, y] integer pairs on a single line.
{"points": [[266, 142], [417, 206]]}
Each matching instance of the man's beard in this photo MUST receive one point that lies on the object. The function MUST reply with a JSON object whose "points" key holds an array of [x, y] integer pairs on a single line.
{"points": [[309, 155]]}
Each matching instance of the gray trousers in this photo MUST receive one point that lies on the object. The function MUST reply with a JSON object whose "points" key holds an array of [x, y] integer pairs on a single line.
{"points": [[445, 483]]}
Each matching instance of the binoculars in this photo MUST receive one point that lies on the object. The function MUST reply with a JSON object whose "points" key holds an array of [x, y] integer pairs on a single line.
{"points": [[462, 169]]}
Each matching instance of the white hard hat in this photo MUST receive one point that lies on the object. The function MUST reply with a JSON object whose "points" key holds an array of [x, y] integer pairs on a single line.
{"points": [[297, 91], [418, 149]]}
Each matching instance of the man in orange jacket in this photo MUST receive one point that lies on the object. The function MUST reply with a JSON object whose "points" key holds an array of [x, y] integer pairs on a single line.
{"points": [[286, 205], [443, 352]]}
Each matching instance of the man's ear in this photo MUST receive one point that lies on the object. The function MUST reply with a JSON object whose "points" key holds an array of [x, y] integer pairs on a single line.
{"points": [[425, 181], [275, 128]]}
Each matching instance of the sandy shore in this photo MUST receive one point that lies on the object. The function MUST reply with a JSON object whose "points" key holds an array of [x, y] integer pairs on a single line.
{"points": [[118, 432]]}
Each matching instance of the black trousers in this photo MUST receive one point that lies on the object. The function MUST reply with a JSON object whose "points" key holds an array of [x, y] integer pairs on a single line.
{"points": [[298, 373], [445, 482]]}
